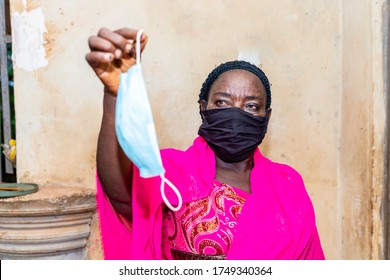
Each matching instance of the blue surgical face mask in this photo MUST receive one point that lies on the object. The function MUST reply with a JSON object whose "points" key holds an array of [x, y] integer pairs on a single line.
{"points": [[135, 128]]}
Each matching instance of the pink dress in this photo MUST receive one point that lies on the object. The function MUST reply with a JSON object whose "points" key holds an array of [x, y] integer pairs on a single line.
{"points": [[203, 229], [277, 220]]}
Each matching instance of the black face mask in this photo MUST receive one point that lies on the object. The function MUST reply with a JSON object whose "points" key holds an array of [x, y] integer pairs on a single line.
{"points": [[232, 133]]}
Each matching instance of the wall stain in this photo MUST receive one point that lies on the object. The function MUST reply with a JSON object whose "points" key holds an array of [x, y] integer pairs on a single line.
{"points": [[18, 6], [49, 38]]}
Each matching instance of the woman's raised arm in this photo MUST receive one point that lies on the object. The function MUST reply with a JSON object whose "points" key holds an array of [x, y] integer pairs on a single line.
{"points": [[112, 53]]}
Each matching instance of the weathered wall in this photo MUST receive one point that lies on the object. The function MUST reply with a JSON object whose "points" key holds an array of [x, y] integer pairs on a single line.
{"points": [[307, 48], [362, 130], [356, 130]]}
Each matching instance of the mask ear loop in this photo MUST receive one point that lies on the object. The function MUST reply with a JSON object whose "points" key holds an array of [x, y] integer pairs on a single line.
{"points": [[169, 183], [163, 179], [138, 46]]}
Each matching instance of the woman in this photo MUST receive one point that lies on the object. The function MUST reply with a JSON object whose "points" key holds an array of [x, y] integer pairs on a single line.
{"points": [[236, 203]]}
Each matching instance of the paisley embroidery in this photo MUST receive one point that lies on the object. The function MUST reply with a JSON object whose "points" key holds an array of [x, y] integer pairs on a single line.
{"points": [[204, 227]]}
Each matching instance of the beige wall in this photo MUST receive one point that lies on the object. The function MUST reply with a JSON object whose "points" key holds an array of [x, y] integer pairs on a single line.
{"points": [[323, 59], [362, 130]]}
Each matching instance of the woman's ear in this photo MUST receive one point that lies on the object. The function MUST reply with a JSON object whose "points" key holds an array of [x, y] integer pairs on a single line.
{"points": [[269, 112], [203, 105]]}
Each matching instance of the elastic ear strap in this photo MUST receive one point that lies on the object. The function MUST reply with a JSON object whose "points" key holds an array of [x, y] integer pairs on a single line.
{"points": [[138, 46], [165, 180]]}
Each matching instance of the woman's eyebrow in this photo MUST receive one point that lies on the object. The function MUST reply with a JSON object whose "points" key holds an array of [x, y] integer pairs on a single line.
{"points": [[222, 94], [252, 97]]}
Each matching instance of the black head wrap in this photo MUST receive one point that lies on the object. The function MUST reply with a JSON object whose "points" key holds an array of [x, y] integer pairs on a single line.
{"points": [[234, 65]]}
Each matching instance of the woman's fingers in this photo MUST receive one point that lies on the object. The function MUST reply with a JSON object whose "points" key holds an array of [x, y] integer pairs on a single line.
{"points": [[120, 42], [131, 34], [108, 46], [109, 41], [112, 53], [96, 58], [100, 44]]}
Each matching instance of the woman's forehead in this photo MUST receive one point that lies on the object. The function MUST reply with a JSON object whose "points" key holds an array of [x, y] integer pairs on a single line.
{"points": [[238, 79]]}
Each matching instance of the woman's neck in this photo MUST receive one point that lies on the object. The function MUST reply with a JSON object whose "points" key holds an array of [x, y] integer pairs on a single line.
{"points": [[235, 174]]}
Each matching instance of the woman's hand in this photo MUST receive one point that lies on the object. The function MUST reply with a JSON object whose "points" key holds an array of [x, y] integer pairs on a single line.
{"points": [[112, 53]]}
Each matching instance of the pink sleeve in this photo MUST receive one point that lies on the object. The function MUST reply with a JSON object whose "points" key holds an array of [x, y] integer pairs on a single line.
{"points": [[115, 232]]}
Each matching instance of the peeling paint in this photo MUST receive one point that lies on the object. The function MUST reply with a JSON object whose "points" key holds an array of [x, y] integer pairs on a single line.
{"points": [[28, 30]]}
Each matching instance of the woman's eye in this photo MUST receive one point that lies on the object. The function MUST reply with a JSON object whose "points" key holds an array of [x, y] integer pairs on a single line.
{"points": [[221, 103], [253, 107]]}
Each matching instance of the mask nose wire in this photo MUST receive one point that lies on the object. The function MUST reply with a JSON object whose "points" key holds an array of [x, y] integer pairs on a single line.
{"points": [[138, 46], [172, 186]]}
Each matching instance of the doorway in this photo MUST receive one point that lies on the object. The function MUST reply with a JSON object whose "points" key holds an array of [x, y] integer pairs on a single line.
{"points": [[7, 109]]}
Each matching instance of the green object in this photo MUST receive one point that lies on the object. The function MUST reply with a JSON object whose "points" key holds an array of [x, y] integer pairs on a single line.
{"points": [[17, 189], [9, 62]]}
